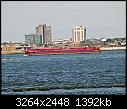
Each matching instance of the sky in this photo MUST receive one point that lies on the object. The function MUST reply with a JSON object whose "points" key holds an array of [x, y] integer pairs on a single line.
{"points": [[102, 19]]}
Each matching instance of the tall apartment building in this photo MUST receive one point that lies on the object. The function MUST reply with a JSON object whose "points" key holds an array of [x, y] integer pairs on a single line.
{"points": [[78, 34], [45, 32], [48, 38]]}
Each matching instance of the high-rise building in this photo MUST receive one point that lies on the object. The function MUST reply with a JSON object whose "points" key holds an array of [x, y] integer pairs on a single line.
{"points": [[45, 32], [30, 38], [78, 34], [48, 38], [38, 39], [40, 29]]}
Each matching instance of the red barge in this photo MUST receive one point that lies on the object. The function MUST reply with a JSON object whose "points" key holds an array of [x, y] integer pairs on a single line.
{"points": [[46, 51]]}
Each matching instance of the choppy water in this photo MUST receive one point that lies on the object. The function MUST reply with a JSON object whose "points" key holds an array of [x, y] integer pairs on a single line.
{"points": [[79, 74]]}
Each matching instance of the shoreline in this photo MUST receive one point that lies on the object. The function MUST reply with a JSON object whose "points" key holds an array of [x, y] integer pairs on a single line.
{"points": [[12, 52], [102, 48], [112, 48]]}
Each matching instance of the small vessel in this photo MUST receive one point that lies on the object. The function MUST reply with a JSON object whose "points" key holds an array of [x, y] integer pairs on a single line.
{"points": [[6, 59], [46, 51], [25, 55]]}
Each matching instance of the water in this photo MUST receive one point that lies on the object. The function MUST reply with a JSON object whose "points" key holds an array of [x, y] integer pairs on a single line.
{"points": [[79, 74]]}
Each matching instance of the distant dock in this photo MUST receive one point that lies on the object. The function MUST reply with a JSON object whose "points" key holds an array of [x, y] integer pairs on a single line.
{"points": [[112, 48], [12, 52]]}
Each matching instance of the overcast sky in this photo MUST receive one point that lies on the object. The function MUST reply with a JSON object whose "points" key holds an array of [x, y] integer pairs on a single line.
{"points": [[105, 19]]}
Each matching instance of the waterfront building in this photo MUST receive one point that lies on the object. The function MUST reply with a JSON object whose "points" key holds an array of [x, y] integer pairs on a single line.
{"points": [[45, 32], [41, 29], [8, 47], [78, 34], [38, 39], [103, 40], [30, 38], [48, 38]]}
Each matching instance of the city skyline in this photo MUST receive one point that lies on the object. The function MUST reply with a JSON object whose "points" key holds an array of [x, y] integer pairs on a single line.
{"points": [[102, 19]]}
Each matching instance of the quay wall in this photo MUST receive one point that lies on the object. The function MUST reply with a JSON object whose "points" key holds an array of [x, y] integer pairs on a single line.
{"points": [[12, 52], [113, 48]]}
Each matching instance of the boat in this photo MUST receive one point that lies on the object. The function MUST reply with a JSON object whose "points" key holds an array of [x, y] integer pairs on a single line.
{"points": [[46, 51], [25, 55], [6, 59]]}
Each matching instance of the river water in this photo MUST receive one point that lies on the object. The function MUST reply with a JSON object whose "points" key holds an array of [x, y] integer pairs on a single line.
{"points": [[70, 74]]}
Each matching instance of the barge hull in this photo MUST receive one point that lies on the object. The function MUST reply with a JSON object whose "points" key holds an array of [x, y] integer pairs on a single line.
{"points": [[57, 51]]}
